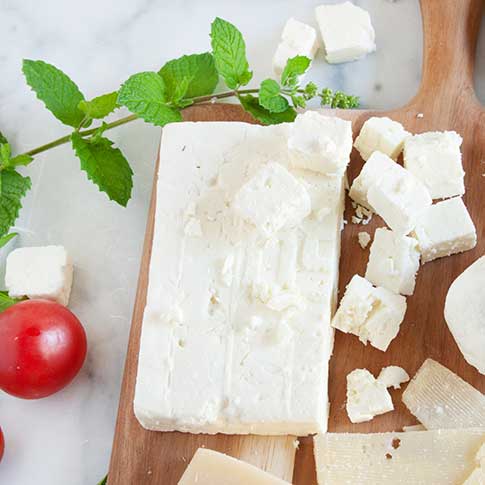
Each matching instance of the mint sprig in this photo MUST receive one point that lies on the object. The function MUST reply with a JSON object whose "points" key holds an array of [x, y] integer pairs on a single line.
{"points": [[99, 107], [13, 188]]}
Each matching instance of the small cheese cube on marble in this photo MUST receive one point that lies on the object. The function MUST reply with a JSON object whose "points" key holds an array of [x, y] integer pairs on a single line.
{"points": [[272, 199], [435, 159], [366, 396], [399, 198], [297, 39], [383, 135], [346, 30], [445, 228], [393, 261], [372, 172], [320, 143], [39, 272], [372, 314]]}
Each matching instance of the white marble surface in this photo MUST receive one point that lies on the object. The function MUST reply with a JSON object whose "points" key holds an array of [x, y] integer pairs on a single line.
{"points": [[66, 439]]}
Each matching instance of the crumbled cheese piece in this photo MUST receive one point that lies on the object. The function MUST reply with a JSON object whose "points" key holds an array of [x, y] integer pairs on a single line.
{"points": [[347, 32], [372, 171], [39, 272], [209, 467], [364, 239], [464, 313], [399, 198], [383, 135], [435, 159], [393, 376], [440, 399], [393, 261], [373, 314], [320, 143], [413, 427], [366, 396], [272, 199], [445, 228], [420, 115], [297, 39]]}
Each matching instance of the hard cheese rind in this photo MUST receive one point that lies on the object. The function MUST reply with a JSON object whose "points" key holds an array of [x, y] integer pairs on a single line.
{"points": [[209, 467], [236, 334], [439, 457], [440, 399]]}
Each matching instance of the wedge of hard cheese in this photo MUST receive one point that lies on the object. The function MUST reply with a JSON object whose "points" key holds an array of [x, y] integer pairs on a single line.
{"points": [[209, 467], [236, 335]]}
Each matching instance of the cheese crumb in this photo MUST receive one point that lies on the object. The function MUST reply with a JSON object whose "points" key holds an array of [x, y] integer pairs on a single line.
{"points": [[364, 239], [393, 376]]}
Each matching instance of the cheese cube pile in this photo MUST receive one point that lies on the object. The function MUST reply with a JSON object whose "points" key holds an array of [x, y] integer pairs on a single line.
{"points": [[435, 159], [393, 261], [347, 32], [445, 228], [320, 143], [373, 314], [39, 272], [297, 39], [381, 134]]}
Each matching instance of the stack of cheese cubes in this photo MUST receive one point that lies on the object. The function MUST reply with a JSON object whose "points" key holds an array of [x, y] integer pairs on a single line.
{"points": [[373, 307]]}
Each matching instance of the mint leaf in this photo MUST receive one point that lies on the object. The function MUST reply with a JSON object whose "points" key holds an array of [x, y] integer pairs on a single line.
{"points": [[57, 91], [2, 138], [144, 95], [100, 106], [295, 67], [229, 52], [6, 239], [197, 71], [5, 152], [104, 481], [22, 159], [13, 187], [6, 301], [105, 166], [251, 105], [270, 97]]}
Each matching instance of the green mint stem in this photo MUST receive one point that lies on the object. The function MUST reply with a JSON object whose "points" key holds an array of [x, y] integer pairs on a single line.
{"points": [[128, 119]]}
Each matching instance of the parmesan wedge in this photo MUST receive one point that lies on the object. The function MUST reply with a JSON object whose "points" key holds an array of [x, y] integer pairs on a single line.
{"points": [[440, 399], [435, 457]]}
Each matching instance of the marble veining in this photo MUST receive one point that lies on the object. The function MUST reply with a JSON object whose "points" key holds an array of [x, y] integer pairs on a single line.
{"points": [[67, 438]]}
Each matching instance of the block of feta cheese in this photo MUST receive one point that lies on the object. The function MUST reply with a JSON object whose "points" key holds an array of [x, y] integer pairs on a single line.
{"points": [[438, 457], [372, 172], [393, 376], [393, 261], [399, 198], [366, 396], [381, 134], [272, 199], [236, 335], [39, 272], [297, 39], [372, 314], [346, 30], [445, 228], [209, 467], [320, 143], [435, 159], [464, 313]]}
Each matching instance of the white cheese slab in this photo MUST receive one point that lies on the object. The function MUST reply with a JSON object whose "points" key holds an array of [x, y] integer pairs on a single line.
{"points": [[236, 335]]}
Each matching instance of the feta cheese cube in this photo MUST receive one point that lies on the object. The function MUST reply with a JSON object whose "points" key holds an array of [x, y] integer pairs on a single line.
{"points": [[372, 172], [435, 159], [399, 198], [363, 238], [372, 314], [272, 199], [445, 228], [39, 272], [393, 261], [393, 376], [366, 396], [297, 39], [381, 134], [346, 30], [320, 143]]}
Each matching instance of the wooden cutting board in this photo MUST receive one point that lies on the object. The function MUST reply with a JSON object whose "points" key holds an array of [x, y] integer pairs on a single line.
{"points": [[445, 101]]}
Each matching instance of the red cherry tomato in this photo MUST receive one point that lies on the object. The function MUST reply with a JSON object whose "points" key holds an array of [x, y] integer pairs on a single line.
{"points": [[2, 444], [43, 347]]}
